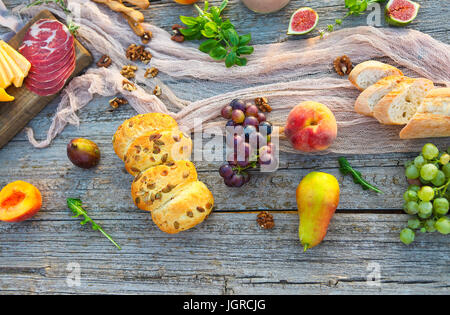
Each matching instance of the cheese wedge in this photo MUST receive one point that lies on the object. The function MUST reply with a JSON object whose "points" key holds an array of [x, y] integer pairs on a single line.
{"points": [[8, 71], [4, 81], [19, 76], [20, 60]]}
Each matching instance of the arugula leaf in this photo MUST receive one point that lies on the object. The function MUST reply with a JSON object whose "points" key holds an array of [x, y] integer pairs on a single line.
{"points": [[222, 40], [346, 168], [75, 205]]}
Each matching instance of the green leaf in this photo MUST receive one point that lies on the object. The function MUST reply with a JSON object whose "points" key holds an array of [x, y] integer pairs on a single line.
{"points": [[232, 36], [345, 168], [208, 45], [245, 39], [208, 33], [245, 50], [226, 25], [231, 59], [218, 53], [188, 31], [223, 5], [241, 61], [189, 21], [211, 27]]}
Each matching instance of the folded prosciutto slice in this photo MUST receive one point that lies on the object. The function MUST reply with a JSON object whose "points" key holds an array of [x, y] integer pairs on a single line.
{"points": [[49, 46]]}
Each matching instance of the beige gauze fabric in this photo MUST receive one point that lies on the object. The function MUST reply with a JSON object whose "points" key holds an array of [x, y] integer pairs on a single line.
{"points": [[286, 73]]}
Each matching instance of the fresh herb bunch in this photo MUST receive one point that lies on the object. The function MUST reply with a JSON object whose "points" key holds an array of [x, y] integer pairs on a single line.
{"points": [[61, 3], [223, 42], [76, 207], [355, 7], [427, 198], [346, 168]]}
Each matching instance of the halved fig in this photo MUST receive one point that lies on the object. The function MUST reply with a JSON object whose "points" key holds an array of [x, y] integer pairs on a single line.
{"points": [[401, 12], [303, 21]]}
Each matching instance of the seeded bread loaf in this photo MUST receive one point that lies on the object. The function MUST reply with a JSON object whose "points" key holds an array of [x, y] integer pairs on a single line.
{"points": [[432, 119], [368, 98], [138, 126], [189, 207], [369, 72], [157, 185], [398, 106], [159, 147]]}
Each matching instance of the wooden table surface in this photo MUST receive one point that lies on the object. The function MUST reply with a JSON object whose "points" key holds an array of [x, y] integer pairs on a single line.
{"points": [[229, 253]]}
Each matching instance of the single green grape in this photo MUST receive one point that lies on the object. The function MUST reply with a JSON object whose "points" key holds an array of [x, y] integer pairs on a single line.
{"points": [[414, 224], [410, 195], [430, 151], [439, 180], [412, 172], [446, 170], [411, 207], [426, 193], [440, 206], [419, 161], [429, 225], [425, 209], [444, 159], [407, 236], [415, 188], [443, 225], [428, 171]]}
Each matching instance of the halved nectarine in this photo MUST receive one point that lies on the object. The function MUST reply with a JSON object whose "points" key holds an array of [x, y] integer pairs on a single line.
{"points": [[19, 201]]}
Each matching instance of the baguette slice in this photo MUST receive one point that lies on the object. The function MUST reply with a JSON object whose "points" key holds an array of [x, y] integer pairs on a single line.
{"points": [[373, 94], [159, 147], [189, 207], [399, 105], [432, 119], [369, 72], [159, 184], [138, 126]]}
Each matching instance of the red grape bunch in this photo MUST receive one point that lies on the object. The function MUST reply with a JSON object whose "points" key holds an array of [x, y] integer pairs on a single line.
{"points": [[248, 142]]}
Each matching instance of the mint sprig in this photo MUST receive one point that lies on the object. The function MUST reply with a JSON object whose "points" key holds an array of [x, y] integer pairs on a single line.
{"points": [[222, 40]]}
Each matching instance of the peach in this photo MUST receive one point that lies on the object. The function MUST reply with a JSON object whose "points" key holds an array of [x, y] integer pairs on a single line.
{"points": [[311, 127], [19, 201]]}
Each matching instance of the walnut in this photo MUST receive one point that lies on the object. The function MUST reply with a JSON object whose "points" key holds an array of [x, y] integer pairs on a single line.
{"points": [[146, 37], [157, 90], [265, 220], [134, 52], [151, 72], [105, 61], [117, 101], [263, 104], [177, 36], [145, 57], [128, 86], [128, 71], [342, 65]]}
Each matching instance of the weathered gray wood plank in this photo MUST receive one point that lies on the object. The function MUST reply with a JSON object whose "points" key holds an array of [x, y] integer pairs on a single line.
{"points": [[227, 254]]}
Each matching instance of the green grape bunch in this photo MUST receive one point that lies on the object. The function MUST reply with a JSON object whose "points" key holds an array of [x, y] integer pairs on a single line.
{"points": [[427, 201]]}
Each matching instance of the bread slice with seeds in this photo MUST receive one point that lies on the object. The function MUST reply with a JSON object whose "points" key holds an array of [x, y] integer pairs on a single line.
{"points": [[138, 126], [373, 94], [157, 185], [159, 147], [432, 119], [398, 106], [369, 72], [189, 207]]}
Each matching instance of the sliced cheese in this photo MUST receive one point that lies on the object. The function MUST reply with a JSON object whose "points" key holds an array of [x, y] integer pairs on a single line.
{"points": [[20, 60], [4, 81], [18, 74]]}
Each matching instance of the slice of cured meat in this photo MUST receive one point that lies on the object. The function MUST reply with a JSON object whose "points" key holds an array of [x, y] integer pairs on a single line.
{"points": [[50, 87], [55, 66], [53, 72], [46, 41]]}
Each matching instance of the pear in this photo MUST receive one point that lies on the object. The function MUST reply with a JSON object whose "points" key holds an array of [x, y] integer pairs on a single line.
{"points": [[317, 199]]}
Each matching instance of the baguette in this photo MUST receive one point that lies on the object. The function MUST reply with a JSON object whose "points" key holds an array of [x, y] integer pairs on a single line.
{"points": [[373, 94], [138, 126], [369, 72], [399, 105], [432, 119], [159, 147]]}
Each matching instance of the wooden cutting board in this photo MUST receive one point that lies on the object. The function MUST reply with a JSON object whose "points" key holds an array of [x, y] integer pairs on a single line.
{"points": [[16, 115]]}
